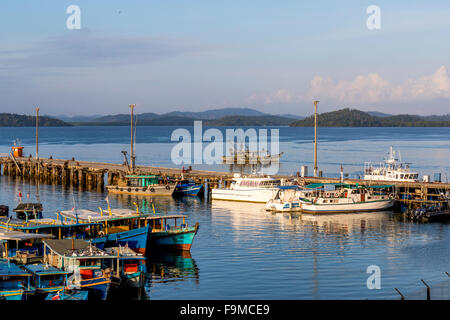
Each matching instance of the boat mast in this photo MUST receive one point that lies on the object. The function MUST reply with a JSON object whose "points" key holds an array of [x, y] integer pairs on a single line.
{"points": [[315, 137], [37, 134], [132, 156]]}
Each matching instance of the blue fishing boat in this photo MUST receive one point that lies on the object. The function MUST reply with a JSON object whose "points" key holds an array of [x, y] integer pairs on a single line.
{"points": [[14, 282], [89, 266], [21, 247], [129, 269], [119, 227], [45, 279], [167, 235], [68, 295], [187, 187]]}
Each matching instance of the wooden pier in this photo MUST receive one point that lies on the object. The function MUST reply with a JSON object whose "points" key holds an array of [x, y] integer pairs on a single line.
{"points": [[91, 176]]}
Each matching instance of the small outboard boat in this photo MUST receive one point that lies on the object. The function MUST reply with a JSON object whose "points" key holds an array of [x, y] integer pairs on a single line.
{"points": [[28, 211], [4, 211]]}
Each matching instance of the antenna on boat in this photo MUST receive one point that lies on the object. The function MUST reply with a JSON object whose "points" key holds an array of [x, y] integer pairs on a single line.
{"points": [[315, 137], [132, 156]]}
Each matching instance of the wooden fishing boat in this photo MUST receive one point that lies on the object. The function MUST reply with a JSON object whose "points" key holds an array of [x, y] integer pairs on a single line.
{"points": [[22, 247], [26, 210], [45, 279], [14, 282], [144, 185], [119, 227], [167, 235], [90, 267], [130, 267]]}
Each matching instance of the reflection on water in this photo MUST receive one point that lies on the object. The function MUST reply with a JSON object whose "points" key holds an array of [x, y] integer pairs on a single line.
{"points": [[172, 267], [244, 252]]}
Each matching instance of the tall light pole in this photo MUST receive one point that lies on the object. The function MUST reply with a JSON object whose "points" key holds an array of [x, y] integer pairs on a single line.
{"points": [[132, 156], [37, 133], [315, 137]]}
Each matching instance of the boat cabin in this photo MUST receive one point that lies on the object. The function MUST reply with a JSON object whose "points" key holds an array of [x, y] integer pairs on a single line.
{"points": [[46, 278], [13, 281], [22, 247]]}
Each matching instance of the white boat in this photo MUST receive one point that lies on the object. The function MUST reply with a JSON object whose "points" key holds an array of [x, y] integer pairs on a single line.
{"points": [[345, 199], [285, 200], [391, 170], [248, 189]]}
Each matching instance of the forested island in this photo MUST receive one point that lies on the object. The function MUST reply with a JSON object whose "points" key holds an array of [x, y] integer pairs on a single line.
{"points": [[18, 120], [356, 118]]}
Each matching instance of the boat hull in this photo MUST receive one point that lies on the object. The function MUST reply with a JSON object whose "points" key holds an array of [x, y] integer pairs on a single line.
{"points": [[158, 190], [97, 287], [367, 206], [12, 295], [288, 206], [189, 190], [172, 240], [259, 195], [136, 239]]}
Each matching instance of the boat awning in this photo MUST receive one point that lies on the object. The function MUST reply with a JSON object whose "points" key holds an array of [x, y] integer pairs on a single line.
{"points": [[320, 185], [89, 215], [76, 248], [380, 187], [21, 236], [10, 269], [288, 187], [174, 216]]}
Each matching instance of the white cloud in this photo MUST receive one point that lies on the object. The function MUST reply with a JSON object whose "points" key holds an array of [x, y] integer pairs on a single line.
{"points": [[370, 88], [373, 88]]}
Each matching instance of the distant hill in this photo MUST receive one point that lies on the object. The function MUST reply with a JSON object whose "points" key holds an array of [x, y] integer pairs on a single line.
{"points": [[356, 118], [266, 120], [18, 120], [217, 117]]}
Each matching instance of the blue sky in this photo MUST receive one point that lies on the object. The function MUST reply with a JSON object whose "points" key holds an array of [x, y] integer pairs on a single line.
{"points": [[274, 56]]}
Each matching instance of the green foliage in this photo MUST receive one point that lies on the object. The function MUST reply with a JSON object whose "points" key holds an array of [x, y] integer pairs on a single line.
{"points": [[17, 120], [356, 118]]}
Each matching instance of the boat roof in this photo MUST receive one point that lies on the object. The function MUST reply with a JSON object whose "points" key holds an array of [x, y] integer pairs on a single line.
{"points": [[346, 185], [10, 269], [288, 187], [20, 236], [142, 176], [84, 214], [124, 253], [33, 224], [173, 216], [80, 249], [43, 269]]}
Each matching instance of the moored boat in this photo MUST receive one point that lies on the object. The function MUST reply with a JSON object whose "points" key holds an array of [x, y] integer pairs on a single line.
{"points": [[45, 279], [119, 227], [167, 235], [144, 185], [391, 170], [188, 188], [14, 282], [345, 198], [90, 267], [285, 200], [248, 189]]}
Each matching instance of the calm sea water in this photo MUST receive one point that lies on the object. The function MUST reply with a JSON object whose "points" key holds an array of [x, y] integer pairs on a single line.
{"points": [[242, 252]]}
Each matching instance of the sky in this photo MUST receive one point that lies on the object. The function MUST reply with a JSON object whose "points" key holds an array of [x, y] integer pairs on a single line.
{"points": [[273, 56]]}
